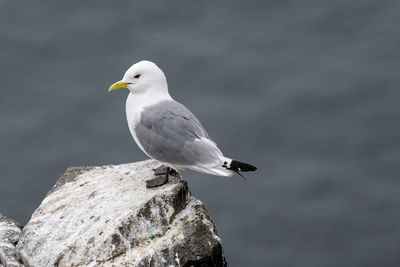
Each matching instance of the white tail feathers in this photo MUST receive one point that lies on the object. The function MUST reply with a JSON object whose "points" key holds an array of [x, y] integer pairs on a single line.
{"points": [[227, 167], [216, 170]]}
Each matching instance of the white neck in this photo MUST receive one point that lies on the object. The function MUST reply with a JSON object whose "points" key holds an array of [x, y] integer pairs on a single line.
{"points": [[138, 100]]}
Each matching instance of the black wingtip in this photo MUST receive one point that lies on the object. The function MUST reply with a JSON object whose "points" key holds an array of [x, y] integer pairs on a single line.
{"points": [[241, 166]]}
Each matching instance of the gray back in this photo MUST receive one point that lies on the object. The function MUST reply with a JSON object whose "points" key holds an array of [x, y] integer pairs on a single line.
{"points": [[168, 130]]}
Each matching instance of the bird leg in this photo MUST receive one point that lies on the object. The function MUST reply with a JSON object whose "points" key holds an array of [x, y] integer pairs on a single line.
{"points": [[163, 177]]}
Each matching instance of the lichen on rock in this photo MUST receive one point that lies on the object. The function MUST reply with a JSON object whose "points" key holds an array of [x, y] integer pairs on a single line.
{"points": [[105, 216]]}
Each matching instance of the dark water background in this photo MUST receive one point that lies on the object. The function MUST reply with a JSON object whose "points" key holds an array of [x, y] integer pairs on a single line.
{"points": [[308, 91]]}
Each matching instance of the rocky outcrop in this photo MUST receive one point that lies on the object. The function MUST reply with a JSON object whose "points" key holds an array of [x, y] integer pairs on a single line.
{"points": [[10, 231], [105, 216]]}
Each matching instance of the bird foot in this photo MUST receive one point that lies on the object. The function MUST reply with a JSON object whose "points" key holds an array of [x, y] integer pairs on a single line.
{"points": [[164, 172], [158, 181], [161, 170]]}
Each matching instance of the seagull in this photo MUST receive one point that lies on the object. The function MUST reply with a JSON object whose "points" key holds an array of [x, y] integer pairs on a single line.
{"points": [[167, 131]]}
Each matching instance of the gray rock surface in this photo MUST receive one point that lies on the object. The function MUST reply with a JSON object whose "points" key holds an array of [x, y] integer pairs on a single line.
{"points": [[105, 216], [10, 231]]}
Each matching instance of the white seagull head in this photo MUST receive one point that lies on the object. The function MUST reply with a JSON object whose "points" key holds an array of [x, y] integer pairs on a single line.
{"points": [[142, 77]]}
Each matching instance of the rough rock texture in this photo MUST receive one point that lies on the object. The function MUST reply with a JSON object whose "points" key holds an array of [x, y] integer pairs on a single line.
{"points": [[10, 231], [105, 216]]}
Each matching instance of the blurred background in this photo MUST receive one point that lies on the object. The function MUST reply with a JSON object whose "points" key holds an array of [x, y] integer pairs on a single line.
{"points": [[307, 92]]}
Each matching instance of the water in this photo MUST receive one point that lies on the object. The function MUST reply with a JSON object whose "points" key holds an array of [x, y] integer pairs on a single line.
{"points": [[308, 92]]}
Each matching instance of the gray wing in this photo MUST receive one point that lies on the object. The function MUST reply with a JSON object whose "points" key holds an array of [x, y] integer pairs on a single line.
{"points": [[170, 133]]}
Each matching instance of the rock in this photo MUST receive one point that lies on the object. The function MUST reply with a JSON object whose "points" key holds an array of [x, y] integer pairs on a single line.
{"points": [[10, 231], [105, 216]]}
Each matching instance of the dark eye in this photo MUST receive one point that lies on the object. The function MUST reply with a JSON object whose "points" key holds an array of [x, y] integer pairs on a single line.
{"points": [[137, 76]]}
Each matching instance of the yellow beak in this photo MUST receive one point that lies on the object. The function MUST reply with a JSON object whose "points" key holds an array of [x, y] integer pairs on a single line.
{"points": [[117, 85]]}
